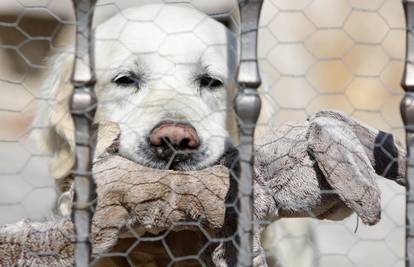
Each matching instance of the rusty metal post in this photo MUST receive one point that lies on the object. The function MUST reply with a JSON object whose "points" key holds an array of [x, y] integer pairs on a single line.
{"points": [[82, 108], [407, 112], [247, 107]]}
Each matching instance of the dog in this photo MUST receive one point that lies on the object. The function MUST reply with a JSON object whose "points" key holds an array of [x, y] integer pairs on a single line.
{"points": [[166, 76], [166, 80]]}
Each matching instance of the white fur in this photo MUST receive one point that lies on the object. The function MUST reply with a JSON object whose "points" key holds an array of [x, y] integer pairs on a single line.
{"points": [[169, 48]]}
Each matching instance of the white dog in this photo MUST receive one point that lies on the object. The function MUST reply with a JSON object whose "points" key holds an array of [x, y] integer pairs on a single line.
{"points": [[164, 74]]}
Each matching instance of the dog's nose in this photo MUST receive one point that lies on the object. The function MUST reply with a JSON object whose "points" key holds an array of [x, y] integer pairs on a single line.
{"points": [[179, 135]]}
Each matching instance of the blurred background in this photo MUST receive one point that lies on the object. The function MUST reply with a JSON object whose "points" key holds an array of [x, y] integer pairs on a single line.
{"points": [[314, 54]]}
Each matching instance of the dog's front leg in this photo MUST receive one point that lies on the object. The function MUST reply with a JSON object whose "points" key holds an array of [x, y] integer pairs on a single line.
{"points": [[225, 254]]}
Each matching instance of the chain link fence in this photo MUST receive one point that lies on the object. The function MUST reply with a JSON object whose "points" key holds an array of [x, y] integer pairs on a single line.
{"points": [[162, 73]]}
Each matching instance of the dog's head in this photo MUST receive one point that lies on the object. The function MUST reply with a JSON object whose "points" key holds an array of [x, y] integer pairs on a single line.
{"points": [[164, 74]]}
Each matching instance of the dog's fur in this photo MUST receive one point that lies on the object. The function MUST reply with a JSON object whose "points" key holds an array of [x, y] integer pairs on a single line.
{"points": [[151, 62]]}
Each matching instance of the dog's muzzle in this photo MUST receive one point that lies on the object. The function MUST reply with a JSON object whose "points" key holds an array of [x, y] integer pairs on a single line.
{"points": [[172, 141]]}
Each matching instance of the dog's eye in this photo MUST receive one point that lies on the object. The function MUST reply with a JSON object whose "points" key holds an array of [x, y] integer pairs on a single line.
{"points": [[207, 81], [124, 80]]}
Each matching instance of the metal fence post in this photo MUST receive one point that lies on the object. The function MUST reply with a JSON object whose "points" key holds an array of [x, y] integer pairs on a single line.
{"points": [[407, 111], [247, 106], [82, 107]]}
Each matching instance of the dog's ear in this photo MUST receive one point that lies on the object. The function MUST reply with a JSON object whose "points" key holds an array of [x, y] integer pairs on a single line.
{"points": [[346, 152], [57, 136]]}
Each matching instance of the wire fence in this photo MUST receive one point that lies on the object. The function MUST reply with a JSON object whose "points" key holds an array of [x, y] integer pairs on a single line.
{"points": [[165, 84]]}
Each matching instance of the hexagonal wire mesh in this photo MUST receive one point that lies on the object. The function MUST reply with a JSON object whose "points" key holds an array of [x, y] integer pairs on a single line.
{"points": [[163, 64]]}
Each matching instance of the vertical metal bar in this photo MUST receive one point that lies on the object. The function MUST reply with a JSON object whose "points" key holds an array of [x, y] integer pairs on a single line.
{"points": [[82, 107], [247, 107], [407, 112]]}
